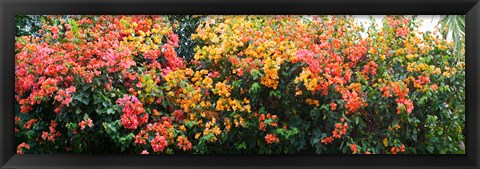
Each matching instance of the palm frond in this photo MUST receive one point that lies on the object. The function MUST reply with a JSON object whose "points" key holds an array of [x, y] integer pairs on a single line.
{"points": [[453, 26]]}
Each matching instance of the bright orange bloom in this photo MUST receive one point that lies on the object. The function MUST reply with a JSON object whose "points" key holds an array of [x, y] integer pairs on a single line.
{"points": [[271, 138], [353, 147]]}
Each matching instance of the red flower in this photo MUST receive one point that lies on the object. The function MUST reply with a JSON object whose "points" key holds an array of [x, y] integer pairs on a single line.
{"points": [[178, 114], [240, 71], [327, 140]]}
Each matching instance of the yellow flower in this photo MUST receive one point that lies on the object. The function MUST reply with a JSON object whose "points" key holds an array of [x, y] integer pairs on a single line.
{"points": [[188, 72], [247, 108], [242, 122], [382, 57], [222, 89], [271, 77], [409, 56], [446, 74], [206, 131], [246, 101]]}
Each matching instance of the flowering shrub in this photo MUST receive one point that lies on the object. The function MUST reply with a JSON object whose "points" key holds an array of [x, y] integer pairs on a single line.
{"points": [[254, 85]]}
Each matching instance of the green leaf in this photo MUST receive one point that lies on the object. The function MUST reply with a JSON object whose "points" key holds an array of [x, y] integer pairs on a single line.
{"points": [[241, 146], [110, 111], [255, 88], [78, 111], [85, 116], [255, 74], [430, 149]]}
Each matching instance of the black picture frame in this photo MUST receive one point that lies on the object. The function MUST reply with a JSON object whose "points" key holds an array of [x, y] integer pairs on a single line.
{"points": [[10, 8]]}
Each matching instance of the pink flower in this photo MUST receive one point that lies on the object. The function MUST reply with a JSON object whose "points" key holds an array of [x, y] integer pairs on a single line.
{"points": [[21, 146], [133, 112], [401, 32], [82, 125], [159, 143], [44, 135], [89, 122]]}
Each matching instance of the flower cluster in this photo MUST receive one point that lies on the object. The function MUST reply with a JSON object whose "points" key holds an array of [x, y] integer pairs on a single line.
{"points": [[133, 112], [254, 84], [340, 129], [159, 143], [21, 147], [271, 138]]}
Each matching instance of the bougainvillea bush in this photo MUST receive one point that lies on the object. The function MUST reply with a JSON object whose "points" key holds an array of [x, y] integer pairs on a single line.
{"points": [[244, 85]]}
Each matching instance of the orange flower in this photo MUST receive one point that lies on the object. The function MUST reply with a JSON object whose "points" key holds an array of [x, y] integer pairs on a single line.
{"points": [[327, 140], [271, 138], [434, 87], [353, 99], [353, 147], [333, 105], [29, 124], [402, 148], [155, 112]]}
